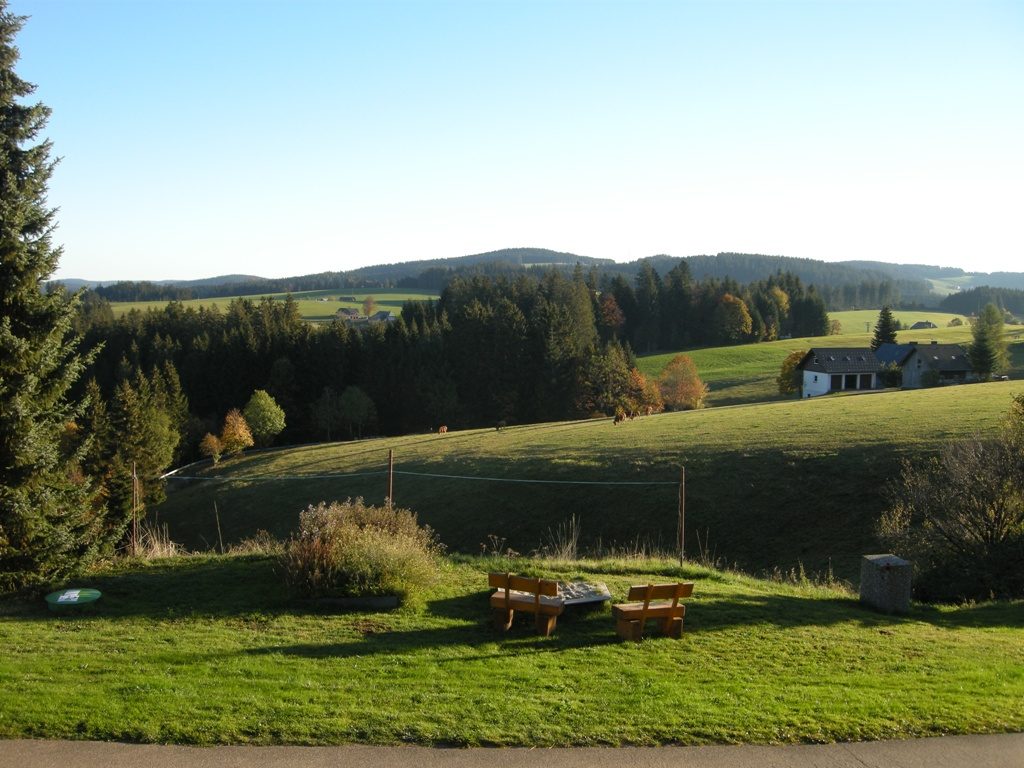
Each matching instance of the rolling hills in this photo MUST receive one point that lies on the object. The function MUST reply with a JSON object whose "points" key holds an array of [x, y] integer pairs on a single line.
{"points": [[768, 485]]}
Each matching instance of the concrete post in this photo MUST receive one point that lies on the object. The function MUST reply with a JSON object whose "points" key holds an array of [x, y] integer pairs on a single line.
{"points": [[885, 583]]}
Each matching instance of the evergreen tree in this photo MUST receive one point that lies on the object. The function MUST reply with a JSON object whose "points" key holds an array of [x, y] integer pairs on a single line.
{"points": [[988, 350], [885, 329], [46, 519]]}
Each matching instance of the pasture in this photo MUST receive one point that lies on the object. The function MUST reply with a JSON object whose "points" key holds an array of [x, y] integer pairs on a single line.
{"points": [[772, 485], [210, 650], [315, 306], [747, 373]]}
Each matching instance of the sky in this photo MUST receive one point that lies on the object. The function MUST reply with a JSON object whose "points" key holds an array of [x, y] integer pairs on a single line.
{"points": [[286, 138]]}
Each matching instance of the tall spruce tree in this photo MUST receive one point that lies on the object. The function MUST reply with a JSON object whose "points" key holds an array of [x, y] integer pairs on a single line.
{"points": [[885, 329], [988, 349], [46, 521]]}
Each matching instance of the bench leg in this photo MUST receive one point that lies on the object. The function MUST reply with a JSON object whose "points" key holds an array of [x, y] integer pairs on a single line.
{"points": [[546, 624], [672, 627], [502, 619], [629, 630]]}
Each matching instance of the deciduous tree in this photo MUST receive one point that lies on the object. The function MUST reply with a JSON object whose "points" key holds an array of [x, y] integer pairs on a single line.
{"points": [[790, 377], [681, 387], [235, 437], [264, 417]]}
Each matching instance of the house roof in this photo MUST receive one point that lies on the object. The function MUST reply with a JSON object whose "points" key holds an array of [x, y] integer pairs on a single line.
{"points": [[920, 324], [840, 360], [888, 354], [942, 357]]}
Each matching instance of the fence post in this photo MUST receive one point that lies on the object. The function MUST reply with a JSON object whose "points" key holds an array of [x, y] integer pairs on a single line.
{"points": [[682, 514], [391, 477]]}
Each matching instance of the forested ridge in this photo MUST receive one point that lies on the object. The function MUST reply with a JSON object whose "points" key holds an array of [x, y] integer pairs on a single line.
{"points": [[843, 285]]}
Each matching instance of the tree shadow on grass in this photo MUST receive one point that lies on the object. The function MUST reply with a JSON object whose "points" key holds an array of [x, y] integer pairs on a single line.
{"points": [[786, 611], [472, 638]]}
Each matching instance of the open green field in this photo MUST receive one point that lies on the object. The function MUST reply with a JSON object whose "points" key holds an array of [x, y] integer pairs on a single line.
{"points": [[747, 373], [209, 650], [768, 485], [316, 306]]}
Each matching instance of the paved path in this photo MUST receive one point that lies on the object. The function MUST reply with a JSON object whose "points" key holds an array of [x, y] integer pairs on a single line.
{"points": [[999, 751]]}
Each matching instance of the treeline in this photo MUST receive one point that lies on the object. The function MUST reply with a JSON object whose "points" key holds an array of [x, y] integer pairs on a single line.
{"points": [[533, 348], [971, 302]]}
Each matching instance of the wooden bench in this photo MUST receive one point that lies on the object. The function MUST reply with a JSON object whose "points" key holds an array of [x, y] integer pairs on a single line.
{"points": [[526, 594], [652, 601]]}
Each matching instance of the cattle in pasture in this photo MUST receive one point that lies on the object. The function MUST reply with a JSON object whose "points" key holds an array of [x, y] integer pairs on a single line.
{"points": [[620, 416], [442, 430], [501, 425]]}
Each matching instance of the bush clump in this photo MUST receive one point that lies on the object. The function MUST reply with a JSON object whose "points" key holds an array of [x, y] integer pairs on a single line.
{"points": [[350, 549]]}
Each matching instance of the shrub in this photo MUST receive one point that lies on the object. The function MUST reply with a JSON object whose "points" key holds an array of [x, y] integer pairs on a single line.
{"points": [[681, 387], [353, 550], [960, 517], [211, 447]]}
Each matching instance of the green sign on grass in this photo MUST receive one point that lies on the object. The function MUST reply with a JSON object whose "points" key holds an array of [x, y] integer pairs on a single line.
{"points": [[71, 598]]}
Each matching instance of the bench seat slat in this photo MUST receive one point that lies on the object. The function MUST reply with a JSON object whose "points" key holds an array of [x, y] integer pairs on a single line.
{"points": [[659, 610], [524, 601]]}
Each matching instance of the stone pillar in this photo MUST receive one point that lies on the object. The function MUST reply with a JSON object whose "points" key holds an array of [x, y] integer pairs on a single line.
{"points": [[885, 583]]}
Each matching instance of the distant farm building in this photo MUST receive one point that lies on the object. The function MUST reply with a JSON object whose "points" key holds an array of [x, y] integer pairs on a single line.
{"points": [[842, 369], [922, 325], [356, 318], [838, 369]]}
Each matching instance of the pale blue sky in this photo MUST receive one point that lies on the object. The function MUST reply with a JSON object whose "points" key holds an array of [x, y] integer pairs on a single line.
{"points": [[274, 138]]}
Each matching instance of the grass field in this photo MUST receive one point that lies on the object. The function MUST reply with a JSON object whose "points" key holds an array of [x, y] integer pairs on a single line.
{"points": [[747, 373], [209, 650], [768, 485], [310, 305]]}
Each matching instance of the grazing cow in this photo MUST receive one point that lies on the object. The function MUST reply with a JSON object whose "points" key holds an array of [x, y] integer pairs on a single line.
{"points": [[442, 430], [501, 425], [620, 416]]}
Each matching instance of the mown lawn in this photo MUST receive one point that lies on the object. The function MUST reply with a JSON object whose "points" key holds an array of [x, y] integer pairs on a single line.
{"points": [[209, 650], [768, 485]]}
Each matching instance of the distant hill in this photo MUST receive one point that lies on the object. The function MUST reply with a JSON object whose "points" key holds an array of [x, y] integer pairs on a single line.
{"points": [[843, 284]]}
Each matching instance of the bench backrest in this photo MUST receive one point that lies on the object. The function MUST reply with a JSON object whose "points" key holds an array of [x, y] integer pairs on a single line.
{"points": [[673, 592], [529, 584]]}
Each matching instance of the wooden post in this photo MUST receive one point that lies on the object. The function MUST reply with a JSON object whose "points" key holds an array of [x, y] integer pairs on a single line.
{"points": [[391, 477], [682, 514], [135, 512]]}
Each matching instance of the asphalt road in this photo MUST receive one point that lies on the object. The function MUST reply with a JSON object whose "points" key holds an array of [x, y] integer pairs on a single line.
{"points": [[997, 751]]}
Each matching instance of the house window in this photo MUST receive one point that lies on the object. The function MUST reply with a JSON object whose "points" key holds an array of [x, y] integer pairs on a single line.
{"points": [[815, 378]]}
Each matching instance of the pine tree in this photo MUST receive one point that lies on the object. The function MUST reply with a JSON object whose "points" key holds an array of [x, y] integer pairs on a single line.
{"points": [[885, 329], [988, 350], [46, 519]]}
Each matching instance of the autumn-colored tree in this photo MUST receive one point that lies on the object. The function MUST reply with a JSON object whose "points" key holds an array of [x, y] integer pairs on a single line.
{"points": [[235, 437], [731, 320], [789, 378], [211, 447], [644, 394], [369, 305], [681, 387], [610, 318]]}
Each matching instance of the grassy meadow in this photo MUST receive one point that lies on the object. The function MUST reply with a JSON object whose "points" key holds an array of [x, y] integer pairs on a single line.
{"points": [[210, 650], [315, 306], [747, 373], [767, 485]]}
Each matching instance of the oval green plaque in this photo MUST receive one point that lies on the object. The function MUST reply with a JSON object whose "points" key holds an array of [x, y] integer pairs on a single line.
{"points": [[72, 597]]}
